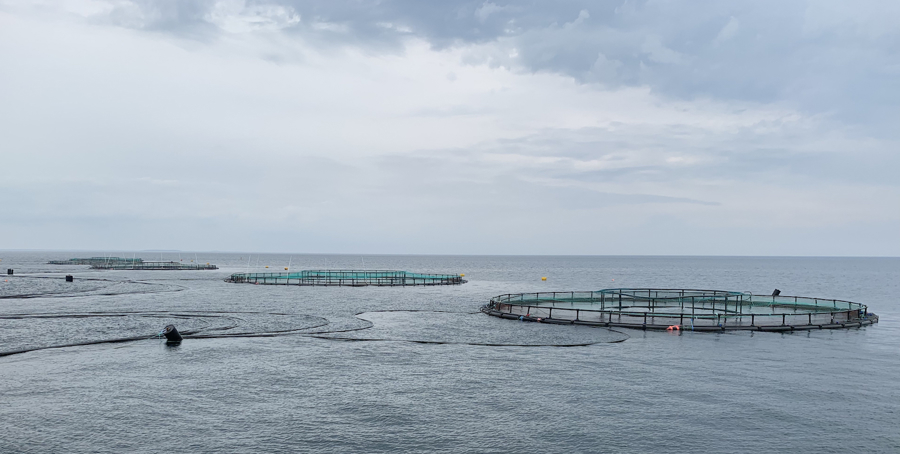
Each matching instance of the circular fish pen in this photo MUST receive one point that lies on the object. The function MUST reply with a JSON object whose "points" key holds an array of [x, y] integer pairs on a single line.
{"points": [[681, 309], [156, 266], [347, 278]]}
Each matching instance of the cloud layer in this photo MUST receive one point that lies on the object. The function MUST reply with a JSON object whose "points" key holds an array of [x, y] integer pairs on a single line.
{"points": [[455, 127]]}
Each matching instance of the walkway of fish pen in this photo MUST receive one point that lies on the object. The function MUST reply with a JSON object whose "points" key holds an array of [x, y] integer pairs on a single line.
{"points": [[96, 261], [349, 278], [681, 309], [153, 266]]}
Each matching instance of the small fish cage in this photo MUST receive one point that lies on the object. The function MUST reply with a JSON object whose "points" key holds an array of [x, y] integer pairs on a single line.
{"points": [[681, 309], [153, 266], [96, 261], [350, 278]]}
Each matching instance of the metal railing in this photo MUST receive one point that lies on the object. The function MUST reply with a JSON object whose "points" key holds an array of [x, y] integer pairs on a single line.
{"points": [[351, 278], [95, 260], [153, 266], [688, 308]]}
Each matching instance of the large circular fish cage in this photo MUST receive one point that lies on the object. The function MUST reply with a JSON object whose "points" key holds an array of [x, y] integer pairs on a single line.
{"points": [[682, 309], [350, 278]]}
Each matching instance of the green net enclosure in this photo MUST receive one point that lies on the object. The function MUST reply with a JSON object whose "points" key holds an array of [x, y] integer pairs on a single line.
{"points": [[353, 278], [677, 309], [158, 266], [96, 261]]}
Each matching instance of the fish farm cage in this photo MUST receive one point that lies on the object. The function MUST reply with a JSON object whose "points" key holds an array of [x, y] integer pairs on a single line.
{"points": [[681, 309], [349, 278], [96, 261], [153, 266]]}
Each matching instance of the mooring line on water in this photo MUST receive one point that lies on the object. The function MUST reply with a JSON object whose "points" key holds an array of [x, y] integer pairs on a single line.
{"points": [[415, 310], [197, 333], [191, 334], [88, 292], [477, 344], [371, 324], [77, 344]]}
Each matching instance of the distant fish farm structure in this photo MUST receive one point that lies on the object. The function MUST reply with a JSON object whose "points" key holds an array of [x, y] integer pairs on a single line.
{"points": [[153, 266], [682, 309], [349, 278], [97, 261]]}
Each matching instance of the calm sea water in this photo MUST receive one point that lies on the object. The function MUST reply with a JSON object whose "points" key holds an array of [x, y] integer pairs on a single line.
{"points": [[311, 389]]}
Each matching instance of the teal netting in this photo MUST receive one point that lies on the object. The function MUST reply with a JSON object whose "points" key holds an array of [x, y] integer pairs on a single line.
{"points": [[347, 278], [679, 307]]}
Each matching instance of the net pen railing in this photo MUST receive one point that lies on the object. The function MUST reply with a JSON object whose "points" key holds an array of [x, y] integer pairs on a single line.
{"points": [[353, 278], [154, 266], [679, 307], [95, 260]]}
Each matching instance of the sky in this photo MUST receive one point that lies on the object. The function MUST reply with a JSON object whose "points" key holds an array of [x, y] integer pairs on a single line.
{"points": [[454, 127]]}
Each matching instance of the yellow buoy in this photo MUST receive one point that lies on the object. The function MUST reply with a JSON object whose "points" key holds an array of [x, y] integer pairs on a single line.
{"points": [[267, 266], [285, 268], [462, 275], [543, 278]]}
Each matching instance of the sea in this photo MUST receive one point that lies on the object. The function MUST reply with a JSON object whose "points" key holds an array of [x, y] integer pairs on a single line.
{"points": [[420, 369]]}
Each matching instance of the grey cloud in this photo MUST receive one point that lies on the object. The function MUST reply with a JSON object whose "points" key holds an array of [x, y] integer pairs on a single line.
{"points": [[439, 188], [784, 60], [833, 57], [786, 156], [182, 17]]}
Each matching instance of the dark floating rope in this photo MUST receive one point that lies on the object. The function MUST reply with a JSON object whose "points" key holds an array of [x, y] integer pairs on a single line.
{"points": [[191, 334], [197, 334]]}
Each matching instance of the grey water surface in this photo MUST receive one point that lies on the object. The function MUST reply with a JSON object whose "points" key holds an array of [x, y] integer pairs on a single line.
{"points": [[369, 369]]}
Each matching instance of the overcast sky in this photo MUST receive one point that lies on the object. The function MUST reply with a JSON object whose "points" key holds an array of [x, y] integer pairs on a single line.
{"points": [[451, 127]]}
